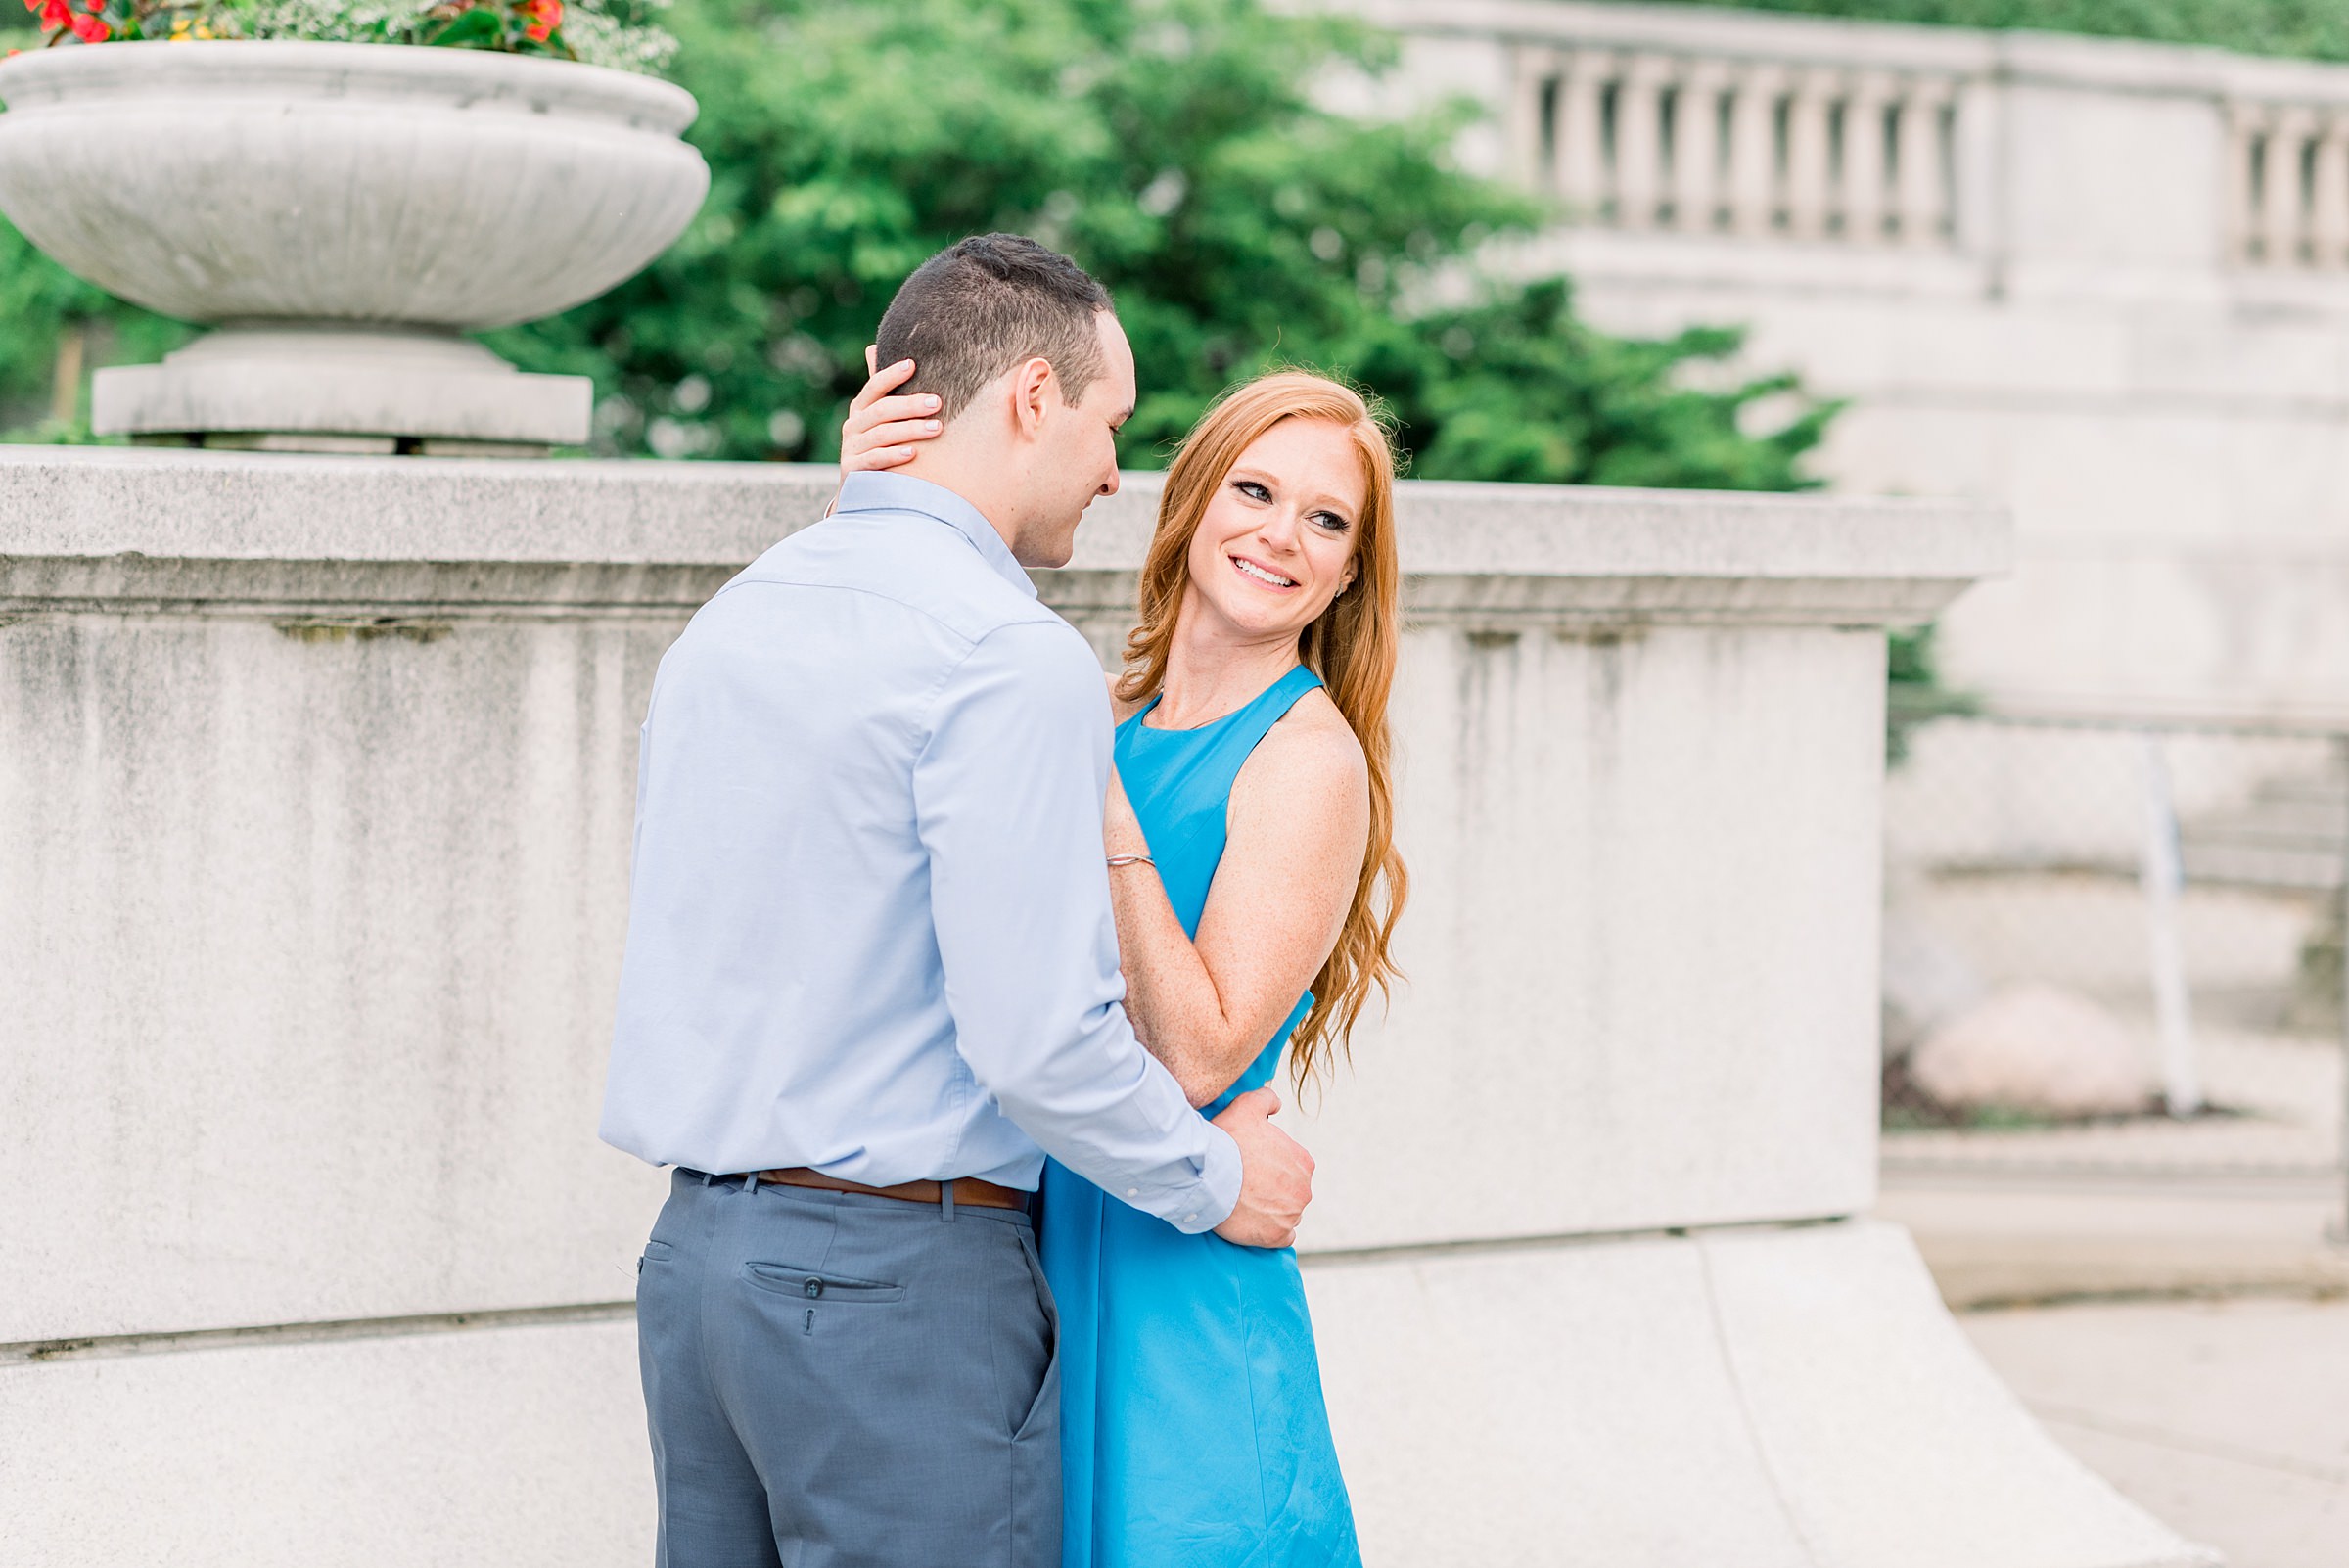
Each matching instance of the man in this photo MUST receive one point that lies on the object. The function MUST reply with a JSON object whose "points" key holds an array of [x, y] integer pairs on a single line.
{"points": [[872, 974]]}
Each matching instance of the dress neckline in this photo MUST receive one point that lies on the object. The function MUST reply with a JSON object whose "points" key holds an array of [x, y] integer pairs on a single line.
{"points": [[1286, 677]]}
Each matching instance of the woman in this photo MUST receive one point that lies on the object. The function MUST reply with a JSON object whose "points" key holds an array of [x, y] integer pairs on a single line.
{"points": [[1255, 882]]}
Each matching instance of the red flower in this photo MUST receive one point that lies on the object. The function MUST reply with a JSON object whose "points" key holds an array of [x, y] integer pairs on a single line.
{"points": [[54, 13], [545, 16], [89, 29]]}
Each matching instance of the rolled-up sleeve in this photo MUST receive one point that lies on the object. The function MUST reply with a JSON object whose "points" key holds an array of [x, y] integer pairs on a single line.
{"points": [[1007, 797]]}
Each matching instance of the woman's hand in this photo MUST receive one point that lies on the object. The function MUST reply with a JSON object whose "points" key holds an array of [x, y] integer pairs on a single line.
{"points": [[882, 431]]}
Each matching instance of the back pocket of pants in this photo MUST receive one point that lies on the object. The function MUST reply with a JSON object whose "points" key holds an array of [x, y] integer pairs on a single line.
{"points": [[815, 1286]]}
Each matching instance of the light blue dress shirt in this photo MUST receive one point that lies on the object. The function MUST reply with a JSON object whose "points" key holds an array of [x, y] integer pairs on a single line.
{"points": [[869, 927]]}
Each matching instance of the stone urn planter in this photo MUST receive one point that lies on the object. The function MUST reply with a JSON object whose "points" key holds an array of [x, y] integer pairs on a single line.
{"points": [[343, 213]]}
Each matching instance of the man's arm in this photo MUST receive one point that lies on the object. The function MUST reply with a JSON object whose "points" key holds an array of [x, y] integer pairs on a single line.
{"points": [[1007, 794]]}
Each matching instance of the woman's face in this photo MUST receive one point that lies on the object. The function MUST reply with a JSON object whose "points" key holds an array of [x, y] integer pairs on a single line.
{"points": [[1278, 542]]}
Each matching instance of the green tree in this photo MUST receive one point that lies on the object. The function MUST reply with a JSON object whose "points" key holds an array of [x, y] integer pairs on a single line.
{"points": [[1173, 147]]}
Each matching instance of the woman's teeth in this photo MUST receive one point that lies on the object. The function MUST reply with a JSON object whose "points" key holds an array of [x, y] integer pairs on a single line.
{"points": [[1251, 569]]}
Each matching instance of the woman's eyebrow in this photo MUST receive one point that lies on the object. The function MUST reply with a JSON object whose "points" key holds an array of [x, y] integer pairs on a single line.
{"points": [[1327, 503]]}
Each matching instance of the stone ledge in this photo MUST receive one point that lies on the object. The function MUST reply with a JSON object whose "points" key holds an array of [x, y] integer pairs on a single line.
{"points": [[115, 530]]}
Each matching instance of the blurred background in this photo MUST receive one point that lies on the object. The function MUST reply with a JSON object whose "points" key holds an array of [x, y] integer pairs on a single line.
{"points": [[2087, 258]]}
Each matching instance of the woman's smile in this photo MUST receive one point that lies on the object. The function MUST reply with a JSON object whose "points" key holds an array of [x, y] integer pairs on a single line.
{"points": [[1257, 572]]}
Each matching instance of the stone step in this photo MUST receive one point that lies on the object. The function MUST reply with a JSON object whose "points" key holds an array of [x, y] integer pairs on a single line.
{"points": [[2287, 866], [2293, 833]]}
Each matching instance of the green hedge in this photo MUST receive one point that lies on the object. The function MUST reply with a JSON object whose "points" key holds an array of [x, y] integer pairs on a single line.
{"points": [[2314, 30]]}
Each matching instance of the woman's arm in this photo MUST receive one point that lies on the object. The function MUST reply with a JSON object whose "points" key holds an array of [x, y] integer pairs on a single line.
{"points": [[1297, 827]]}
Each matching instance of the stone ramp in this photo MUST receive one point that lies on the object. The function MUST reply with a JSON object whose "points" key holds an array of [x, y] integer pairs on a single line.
{"points": [[1764, 1397]]}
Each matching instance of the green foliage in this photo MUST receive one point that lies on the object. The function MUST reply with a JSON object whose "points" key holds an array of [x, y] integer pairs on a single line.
{"points": [[1518, 388], [40, 305], [2315, 29], [1915, 695], [1170, 146]]}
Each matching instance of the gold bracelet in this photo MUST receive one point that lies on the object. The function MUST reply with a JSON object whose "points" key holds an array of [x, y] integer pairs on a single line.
{"points": [[1133, 859]]}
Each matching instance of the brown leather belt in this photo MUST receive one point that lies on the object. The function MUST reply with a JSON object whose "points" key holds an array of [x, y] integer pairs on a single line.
{"points": [[968, 1191]]}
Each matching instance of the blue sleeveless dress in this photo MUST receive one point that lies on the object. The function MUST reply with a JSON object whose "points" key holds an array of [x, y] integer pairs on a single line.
{"points": [[1192, 1427]]}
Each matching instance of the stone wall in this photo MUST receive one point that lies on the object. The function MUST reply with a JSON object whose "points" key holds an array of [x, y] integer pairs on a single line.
{"points": [[315, 787]]}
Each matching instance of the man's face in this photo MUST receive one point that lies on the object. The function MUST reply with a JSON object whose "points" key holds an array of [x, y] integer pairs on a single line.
{"points": [[1077, 456]]}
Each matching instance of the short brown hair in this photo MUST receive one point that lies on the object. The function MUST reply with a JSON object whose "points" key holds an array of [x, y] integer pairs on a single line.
{"points": [[986, 303]]}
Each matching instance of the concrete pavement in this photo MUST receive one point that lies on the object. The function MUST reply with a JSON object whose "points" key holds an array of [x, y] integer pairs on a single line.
{"points": [[2226, 1419]]}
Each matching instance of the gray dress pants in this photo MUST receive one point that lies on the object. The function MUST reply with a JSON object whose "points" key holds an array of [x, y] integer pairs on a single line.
{"points": [[836, 1380]]}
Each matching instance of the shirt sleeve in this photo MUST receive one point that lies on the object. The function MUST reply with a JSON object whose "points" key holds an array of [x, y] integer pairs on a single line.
{"points": [[1007, 798]]}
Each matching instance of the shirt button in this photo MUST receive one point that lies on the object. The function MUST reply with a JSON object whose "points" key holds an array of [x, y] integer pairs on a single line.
{"points": [[1134, 1192], [1188, 1217], [814, 1288]]}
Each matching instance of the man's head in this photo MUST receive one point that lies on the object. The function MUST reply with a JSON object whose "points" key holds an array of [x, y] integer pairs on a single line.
{"points": [[1034, 376]]}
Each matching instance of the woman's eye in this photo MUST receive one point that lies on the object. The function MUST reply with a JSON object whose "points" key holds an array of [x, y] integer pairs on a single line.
{"points": [[1252, 490], [1332, 522]]}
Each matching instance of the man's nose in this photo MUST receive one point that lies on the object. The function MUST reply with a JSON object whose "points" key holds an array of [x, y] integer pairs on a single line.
{"points": [[1108, 485]]}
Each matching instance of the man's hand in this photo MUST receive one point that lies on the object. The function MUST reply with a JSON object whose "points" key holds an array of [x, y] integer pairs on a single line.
{"points": [[1277, 1174]]}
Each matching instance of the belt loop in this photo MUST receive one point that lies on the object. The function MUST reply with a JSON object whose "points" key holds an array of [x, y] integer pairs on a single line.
{"points": [[750, 1181], [946, 1200]]}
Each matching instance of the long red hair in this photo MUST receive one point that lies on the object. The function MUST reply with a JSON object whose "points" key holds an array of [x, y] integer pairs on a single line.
{"points": [[1350, 646]]}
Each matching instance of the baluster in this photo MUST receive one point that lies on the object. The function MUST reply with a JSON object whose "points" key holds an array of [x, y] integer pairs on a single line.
{"points": [[1639, 141], [1921, 192], [1533, 70], [1863, 186], [2329, 211], [2244, 124], [1807, 154], [1581, 167], [2282, 201], [1697, 148], [1754, 152]]}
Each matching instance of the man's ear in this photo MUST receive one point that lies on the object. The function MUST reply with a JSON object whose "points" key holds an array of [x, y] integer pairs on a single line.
{"points": [[1034, 391]]}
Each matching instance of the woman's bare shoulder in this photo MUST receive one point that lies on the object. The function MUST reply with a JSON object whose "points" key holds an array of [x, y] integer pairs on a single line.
{"points": [[1311, 747]]}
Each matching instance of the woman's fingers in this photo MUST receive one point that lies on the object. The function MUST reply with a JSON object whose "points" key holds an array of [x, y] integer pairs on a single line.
{"points": [[882, 381], [879, 457], [891, 410], [898, 432], [881, 431]]}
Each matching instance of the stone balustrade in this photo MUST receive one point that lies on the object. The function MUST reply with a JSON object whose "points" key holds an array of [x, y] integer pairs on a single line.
{"points": [[1710, 143], [1753, 127], [2287, 166]]}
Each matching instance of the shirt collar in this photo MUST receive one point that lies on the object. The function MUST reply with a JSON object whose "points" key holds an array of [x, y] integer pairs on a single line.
{"points": [[902, 492]]}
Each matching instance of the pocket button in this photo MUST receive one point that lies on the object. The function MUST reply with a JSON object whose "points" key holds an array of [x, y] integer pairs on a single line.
{"points": [[814, 1287]]}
